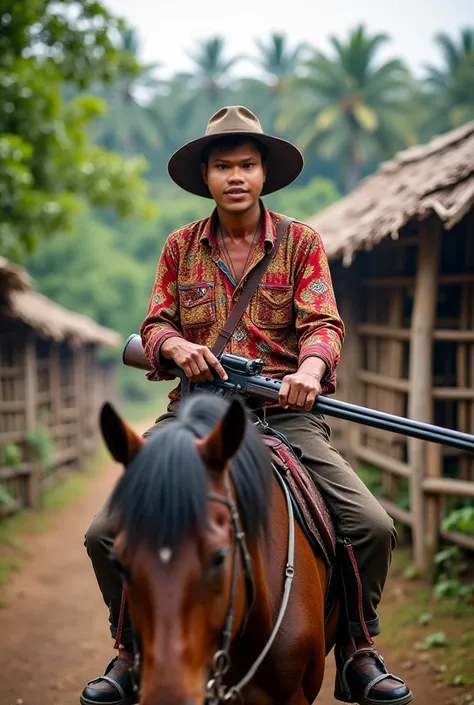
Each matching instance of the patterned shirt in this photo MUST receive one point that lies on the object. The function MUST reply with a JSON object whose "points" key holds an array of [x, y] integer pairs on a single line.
{"points": [[292, 315]]}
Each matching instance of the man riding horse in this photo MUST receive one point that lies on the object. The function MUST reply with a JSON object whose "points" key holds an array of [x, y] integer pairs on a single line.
{"points": [[293, 324]]}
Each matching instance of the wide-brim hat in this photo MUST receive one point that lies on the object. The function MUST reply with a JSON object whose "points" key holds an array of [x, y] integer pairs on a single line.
{"points": [[284, 160]]}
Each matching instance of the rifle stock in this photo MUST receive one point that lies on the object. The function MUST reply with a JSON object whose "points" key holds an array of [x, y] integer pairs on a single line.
{"points": [[133, 354]]}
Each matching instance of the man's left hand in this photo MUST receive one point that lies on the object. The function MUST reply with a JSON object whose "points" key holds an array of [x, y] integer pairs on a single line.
{"points": [[299, 390]]}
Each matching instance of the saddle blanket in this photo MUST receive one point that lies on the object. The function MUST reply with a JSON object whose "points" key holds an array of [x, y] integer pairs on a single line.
{"points": [[313, 514]]}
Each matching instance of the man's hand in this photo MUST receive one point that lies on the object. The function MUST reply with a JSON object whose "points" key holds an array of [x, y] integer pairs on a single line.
{"points": [[300, 389], [193, 359]]}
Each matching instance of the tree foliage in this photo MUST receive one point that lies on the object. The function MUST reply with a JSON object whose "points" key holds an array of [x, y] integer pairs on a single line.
{"points": [[452, 84], [48, 165], [353, 107]]}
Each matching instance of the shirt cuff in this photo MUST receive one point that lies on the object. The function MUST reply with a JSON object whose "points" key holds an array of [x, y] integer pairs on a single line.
{"points": [[325, 353], [152, 351]]}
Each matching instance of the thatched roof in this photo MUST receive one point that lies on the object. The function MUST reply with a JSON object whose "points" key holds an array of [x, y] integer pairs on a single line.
{"points": [[436, 177], [47, 318], [13, 278]]}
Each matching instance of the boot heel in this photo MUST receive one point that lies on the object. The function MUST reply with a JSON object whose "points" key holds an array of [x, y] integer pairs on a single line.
{"points": [[339, 693]]}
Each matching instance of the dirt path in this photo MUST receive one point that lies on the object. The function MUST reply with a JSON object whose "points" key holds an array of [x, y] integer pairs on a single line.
{"points": [[54, 629]]}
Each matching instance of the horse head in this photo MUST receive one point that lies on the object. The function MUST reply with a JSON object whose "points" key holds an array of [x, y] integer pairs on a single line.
{"points": [[190, 500]]}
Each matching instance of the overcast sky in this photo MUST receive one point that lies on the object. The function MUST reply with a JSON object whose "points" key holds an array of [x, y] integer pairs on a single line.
{"points": [[167, 29]]}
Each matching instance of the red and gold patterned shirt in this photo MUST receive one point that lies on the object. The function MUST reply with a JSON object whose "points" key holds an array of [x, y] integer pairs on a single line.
{"points": [[292, 315]]}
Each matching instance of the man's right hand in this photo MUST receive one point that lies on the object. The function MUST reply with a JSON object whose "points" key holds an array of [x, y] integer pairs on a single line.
{"points": [[194, 360]]}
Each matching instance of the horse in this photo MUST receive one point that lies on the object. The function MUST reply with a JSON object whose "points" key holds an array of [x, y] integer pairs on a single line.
{"points": [[225, 594]]}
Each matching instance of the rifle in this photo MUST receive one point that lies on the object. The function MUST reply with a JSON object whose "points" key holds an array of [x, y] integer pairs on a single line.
{"points": [[245, 378]]}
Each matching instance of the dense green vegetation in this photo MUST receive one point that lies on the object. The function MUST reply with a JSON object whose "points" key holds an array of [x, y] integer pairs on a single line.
{"points": [[86, 131]]}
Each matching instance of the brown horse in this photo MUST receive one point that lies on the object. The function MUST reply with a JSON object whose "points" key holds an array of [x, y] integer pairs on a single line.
{"points": [[204, 545]]}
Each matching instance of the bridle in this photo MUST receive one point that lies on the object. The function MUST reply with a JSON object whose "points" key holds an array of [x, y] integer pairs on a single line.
{"points": [[216, 692]]}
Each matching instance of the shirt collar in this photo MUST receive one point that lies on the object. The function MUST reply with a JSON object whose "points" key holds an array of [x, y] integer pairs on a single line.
{"points": [[209, 228]]}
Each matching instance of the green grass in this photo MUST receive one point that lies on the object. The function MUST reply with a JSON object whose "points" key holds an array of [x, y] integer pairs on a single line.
{"points": [[14, 531], [416, 625], [7, 567]]}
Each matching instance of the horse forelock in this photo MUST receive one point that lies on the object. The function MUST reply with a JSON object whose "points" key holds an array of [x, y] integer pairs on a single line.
{"points": [[161, 498]]}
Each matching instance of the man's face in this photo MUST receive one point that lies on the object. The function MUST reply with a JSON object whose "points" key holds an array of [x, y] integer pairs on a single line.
{"points": [[235, 177]]}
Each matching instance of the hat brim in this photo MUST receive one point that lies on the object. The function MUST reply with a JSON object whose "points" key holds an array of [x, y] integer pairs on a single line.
{"points": [[284, 163]]}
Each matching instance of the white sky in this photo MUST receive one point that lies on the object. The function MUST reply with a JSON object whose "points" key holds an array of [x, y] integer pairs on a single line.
{"points": [[168, 29]]}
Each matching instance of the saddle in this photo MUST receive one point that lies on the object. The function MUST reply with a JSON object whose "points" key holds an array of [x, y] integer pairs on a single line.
{"points": [[309, 506]]}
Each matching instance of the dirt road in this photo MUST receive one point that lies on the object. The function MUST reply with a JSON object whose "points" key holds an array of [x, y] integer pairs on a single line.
{"points": [[54, 628]]}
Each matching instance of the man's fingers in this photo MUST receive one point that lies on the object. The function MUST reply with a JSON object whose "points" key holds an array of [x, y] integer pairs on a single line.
{"points": [[214, 362], [310, 399], [194, 371], [206, 373], [301, 398], [283, 394]]}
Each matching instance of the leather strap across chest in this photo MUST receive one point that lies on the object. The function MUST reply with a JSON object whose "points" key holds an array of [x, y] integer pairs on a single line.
{"points": [[248, 290]]}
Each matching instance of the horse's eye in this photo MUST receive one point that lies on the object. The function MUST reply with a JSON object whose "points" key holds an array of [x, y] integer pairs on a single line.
{"points": [[219, 558]]}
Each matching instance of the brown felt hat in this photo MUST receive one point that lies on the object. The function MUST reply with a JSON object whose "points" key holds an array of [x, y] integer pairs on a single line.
{"points": [[284, 160]]}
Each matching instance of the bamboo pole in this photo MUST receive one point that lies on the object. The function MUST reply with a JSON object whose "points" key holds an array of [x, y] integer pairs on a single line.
{"points": [[393, 402], [31, 392], [80, 402], [421, 374], [462, 379], [376, 331], [352, 357]]}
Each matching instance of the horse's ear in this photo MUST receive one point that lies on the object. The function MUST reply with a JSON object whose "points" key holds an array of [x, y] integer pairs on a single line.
{"points": [[122, 442], [225, 438]]}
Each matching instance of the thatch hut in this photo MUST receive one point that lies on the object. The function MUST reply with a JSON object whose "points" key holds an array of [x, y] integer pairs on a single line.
{"points": [[51, 386], [401, 247]]}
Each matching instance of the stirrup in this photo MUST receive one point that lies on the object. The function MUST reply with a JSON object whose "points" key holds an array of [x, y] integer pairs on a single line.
{"points": [[124, 698], [343, 692]]}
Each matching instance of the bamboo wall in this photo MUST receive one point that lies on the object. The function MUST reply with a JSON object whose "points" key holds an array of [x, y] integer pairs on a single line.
{"points": [[408, 306], [41, 379]]}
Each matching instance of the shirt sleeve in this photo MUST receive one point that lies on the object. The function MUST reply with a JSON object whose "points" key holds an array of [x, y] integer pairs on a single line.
{"points": [[319, 326], [162, 319]]}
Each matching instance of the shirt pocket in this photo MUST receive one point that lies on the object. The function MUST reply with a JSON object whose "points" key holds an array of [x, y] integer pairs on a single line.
{"points": [[197, 304], [272, 306]]}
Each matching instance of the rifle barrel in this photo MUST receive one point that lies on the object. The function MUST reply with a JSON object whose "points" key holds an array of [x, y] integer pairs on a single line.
{"points": [[395, 424], [134, 356]]}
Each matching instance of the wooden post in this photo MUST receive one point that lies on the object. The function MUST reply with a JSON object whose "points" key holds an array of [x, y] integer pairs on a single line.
{"points": [[31, 390], [434, 503], [80, 402], [462, 378], [421, 372], [55, 382], [394, 400], [352, 356]]}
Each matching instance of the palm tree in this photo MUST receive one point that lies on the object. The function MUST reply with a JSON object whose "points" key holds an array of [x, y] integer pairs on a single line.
{"points": [[211, 67], [279, 63], [277, 60], [452, 86], [130, 121], [353, 108]]}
